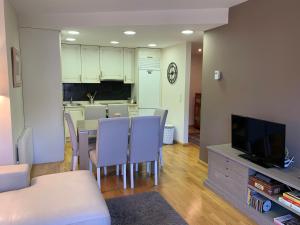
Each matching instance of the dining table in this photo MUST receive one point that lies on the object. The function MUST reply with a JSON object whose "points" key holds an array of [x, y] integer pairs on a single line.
{"points": [[85, 130]]}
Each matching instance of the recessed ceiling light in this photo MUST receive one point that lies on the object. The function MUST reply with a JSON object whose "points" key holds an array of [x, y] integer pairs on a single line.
{"points": [[152, 45], [187, 32], [199, 49], [114, 42], [129, 32], [70, 39], [73, 32]]}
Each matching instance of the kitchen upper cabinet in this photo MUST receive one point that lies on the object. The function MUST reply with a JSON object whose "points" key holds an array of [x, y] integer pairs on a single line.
{"points": [[129, 67], [90, 63], [71, 63], [111, 63]]}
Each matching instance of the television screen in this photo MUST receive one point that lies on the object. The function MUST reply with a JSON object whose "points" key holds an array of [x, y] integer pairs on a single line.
{"points": [[239, 133], [262, 141]]}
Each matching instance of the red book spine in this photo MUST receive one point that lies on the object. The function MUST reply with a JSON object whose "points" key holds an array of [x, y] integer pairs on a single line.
{"points": [[291, 201]]}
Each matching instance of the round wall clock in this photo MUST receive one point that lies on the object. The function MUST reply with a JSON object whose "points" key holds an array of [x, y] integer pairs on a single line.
{"points": [[172, 72]]}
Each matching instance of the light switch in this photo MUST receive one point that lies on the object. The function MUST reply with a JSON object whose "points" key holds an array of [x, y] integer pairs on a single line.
{"points": [[217, 75]]}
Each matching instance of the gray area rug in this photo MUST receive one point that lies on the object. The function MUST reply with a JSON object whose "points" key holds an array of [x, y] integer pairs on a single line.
{"points": [[148, 208]]}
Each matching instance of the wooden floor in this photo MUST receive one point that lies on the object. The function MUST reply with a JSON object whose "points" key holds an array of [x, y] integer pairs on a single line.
{"points": [[180, 183]]}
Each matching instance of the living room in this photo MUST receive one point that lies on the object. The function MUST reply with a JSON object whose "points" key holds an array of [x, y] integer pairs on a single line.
{"points": [[249, 69]]}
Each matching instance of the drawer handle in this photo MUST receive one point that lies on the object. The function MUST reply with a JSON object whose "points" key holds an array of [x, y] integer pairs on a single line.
{"points": [[226, 175], [227, 168]]}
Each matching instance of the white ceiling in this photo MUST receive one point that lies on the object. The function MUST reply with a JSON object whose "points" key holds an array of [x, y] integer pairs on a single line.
{"points": [[101, 21], [163, 36], [83, 6]]}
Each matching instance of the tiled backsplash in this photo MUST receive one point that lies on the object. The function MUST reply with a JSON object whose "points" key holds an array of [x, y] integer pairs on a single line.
{"points": [[106, 90]]}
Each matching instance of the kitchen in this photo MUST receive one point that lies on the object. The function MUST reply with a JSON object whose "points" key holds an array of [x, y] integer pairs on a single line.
{"points": [[130, 69], [93, 75]]}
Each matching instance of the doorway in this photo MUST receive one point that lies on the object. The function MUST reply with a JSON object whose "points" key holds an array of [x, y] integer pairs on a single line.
{"points": [[195, 94]]}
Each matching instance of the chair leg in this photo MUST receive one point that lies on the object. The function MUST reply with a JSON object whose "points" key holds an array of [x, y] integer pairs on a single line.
{"points": [[117, 170], [155, 172], [74, 162], [161, 157], [148, 166], [124, 176], [91, 166], [105, 170], [131, 176], [136, 167], [98, 178]]}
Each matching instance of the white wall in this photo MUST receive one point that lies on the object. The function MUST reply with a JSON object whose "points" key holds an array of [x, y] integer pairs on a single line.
{"points": [[175, 97], [42, 90], [195, 83], [16, 97], [6, 141]]}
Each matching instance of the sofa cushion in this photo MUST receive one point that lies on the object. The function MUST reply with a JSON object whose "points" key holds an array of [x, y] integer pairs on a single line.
{"points": [[14, 177], [56, 199]]}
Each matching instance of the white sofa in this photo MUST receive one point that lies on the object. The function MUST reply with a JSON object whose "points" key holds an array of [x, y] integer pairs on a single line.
{"points": [[55, 199]]}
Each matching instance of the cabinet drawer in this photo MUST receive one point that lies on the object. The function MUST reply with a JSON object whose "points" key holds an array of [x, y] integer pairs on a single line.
{"points": [[228, 183], [223, 163]]}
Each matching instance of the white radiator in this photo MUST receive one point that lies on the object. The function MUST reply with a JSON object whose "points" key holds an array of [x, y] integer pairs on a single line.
{"points": [[25, 147]]}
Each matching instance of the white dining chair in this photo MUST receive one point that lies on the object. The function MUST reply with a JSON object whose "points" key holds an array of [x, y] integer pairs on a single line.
{"points": [[95, 112], [117, 110], [144, 143], [111, 147], [74, 142]]}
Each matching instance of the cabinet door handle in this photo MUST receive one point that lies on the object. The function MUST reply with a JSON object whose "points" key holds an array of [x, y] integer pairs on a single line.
{"points": [[226, 175]]}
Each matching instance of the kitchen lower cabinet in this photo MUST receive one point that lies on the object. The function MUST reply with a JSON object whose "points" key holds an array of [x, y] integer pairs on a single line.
{"points": [[133, 110], [77, 113]]}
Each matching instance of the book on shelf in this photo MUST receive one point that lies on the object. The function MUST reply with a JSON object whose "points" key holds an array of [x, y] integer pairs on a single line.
{"points": [[289, 204], [286, 220], [270, 187], [291, 201], [293, 195], [258, 202]]}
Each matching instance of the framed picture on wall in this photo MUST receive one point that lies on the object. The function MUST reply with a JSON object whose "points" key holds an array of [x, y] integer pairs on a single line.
{"points": [[16, 67]]}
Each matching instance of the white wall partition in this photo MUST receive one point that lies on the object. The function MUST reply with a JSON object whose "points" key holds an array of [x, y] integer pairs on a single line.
{"points": [[16, 97], [42, 89], [6, 142], [175, 97]]}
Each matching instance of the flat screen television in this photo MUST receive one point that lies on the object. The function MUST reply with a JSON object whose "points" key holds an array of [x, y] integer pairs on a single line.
{"points": [[261, 141]]}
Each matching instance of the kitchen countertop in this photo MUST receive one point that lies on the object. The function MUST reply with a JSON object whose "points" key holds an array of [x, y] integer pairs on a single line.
{"points": [[86, 103]]}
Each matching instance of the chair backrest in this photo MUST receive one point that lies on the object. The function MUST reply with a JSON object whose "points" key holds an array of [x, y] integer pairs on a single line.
{"points": [[72, 133], [144, 139], [95, 112], [112, 141], [163, 117], [117, 110]]}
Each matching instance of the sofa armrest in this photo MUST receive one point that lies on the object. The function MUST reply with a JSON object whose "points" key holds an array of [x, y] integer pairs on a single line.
{"points": [[13, 177]]}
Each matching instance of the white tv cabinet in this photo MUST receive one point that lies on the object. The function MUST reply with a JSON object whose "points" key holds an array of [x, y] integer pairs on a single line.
{"points": [[228, 175]]}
